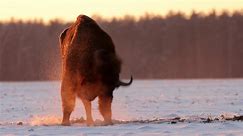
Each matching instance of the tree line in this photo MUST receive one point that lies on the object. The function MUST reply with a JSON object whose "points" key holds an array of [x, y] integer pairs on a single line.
{"points": [[171, 46]]}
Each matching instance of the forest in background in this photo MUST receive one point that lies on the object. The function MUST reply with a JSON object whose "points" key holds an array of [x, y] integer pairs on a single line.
{"points": [[151, 47]]}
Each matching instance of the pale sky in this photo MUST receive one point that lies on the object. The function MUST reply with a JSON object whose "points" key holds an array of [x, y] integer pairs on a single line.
{"points": [[69, 9]]}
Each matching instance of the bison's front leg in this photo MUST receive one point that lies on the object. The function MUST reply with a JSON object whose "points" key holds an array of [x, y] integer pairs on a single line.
{"points": [[68, 101], [105, 108], [89, 119]]}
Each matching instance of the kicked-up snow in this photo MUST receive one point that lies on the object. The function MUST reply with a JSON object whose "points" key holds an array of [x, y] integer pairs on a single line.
{"points": [[147, 107]]}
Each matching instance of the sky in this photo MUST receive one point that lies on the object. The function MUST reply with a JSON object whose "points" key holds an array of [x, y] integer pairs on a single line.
{"points": [[68, 10]]}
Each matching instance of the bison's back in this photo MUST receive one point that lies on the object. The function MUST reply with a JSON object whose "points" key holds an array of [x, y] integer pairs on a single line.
{"points": [[91, 53]]}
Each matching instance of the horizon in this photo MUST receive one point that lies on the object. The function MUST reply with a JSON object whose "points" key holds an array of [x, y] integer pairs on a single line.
{"points": [[128, 16], [49, 10]]}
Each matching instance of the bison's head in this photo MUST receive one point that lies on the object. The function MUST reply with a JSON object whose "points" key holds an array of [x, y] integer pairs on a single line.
{"points": [[77, 32]]}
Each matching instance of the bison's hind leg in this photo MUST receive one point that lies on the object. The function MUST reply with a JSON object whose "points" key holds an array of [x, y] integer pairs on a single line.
{"points": [[105, 108], [89, 118], [68, 100]]}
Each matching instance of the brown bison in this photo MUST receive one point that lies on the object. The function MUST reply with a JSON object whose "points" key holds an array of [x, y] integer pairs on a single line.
{"points": [[90, 68]]}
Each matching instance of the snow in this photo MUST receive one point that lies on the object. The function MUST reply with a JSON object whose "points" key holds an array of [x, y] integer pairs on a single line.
{"points": [[147, 107]]}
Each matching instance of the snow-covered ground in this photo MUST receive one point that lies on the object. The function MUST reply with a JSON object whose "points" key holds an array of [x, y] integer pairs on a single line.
{"points": [[147, 107]]}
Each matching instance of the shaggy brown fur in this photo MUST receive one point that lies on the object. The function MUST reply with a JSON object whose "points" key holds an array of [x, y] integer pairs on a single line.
{"points": [[90, 68]]}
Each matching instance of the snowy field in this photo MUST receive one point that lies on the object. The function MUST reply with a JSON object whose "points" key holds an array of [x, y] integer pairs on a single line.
{"points": [[147, 107]]}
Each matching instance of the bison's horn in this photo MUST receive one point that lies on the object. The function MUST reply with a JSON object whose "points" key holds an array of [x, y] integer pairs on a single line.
{"points": [[126, 84]]}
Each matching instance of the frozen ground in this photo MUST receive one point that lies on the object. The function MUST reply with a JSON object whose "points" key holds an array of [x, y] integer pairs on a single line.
{"points": [[148, 107]]}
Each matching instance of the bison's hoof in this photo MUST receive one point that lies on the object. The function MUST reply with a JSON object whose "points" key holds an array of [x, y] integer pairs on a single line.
{"points": [[108, 123], [66, 124]]}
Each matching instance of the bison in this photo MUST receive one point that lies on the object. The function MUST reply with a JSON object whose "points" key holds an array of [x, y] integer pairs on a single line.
{"points": [[90, 69]]}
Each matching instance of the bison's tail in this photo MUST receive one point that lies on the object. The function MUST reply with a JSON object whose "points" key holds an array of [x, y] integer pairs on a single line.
{"points": [[120, 83]]}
